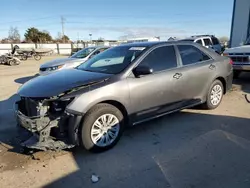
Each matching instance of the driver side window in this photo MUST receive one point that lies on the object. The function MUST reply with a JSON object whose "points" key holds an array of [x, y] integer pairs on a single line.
{"points": [[160, 59]]}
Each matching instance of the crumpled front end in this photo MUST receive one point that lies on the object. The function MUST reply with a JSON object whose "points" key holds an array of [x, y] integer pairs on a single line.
{"points": [[48, 124]]}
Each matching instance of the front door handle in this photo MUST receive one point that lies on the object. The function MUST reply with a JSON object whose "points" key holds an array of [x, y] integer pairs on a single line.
{"points": [[212, 66], [177, 75]]}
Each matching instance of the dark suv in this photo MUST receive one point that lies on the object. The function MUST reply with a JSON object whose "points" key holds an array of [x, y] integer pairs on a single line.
{"points": [[125, 85]]}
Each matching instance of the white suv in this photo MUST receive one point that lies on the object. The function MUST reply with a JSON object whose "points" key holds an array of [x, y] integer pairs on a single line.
{"points": [[241, 58], [208, 41]]}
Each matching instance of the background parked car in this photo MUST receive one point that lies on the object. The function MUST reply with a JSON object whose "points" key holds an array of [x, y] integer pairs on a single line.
{"points": [[208, 41], [125, 85], [241, 58], [72, 61]]}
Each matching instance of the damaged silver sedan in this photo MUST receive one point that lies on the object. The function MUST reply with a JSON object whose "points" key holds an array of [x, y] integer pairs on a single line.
{"points": [[125, 85]]}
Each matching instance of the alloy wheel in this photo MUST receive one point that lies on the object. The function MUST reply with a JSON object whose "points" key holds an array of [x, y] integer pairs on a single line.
{"points": [[105, 130], [216, 94]]}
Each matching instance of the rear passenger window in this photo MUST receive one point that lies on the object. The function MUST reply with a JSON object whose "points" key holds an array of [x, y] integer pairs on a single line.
{"points": [[199, 42], [190, 54], [207, 42], [215, 41], [161, 59]]}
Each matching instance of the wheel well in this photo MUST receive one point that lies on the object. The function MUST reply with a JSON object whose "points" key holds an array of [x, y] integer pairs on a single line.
{"points": [[120, 106], [223, 81]]}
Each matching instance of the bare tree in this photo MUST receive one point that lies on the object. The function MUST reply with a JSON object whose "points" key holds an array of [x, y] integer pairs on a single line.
{"points": [[62, 38], [14, 35]]}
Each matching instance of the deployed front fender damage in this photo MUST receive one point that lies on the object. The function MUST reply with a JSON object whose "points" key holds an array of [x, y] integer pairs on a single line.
{"points": [[46, 123]]}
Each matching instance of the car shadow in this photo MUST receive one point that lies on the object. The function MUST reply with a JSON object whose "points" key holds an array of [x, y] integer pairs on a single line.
{"points": [[243, 82], [185, 149], [180, 150], [25, 79], [8, 120]]}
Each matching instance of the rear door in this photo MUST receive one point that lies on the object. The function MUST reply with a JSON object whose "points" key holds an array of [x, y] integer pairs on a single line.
{"points": [[153, 94], [196, 73]]}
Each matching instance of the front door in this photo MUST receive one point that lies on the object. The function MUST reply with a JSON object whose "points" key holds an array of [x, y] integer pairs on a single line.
{"points": [[153, 94]]}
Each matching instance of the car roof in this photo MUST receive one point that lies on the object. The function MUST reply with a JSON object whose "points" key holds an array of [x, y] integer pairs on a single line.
{"points": [[198, 37], [143, 44], [187, 39], [98, 47], [152, 44]]}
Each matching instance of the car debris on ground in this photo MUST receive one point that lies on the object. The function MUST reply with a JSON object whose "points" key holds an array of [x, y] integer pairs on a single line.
{"points": [[94, 178]]}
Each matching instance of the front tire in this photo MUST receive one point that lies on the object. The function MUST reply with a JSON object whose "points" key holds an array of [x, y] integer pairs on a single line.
{"points": [[102, 127], [214, 95], [24, 57]]}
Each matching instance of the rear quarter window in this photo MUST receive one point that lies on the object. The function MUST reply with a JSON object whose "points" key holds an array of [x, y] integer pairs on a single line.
{"points": [[190, 54]]}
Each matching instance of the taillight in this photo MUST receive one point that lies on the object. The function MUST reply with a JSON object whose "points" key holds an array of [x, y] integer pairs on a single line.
{"points": [[231, 61], [225, 54]]}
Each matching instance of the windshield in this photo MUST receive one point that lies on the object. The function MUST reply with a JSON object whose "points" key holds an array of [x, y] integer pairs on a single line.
{"points": [[112, 61], [247, 41], [83, 53]]}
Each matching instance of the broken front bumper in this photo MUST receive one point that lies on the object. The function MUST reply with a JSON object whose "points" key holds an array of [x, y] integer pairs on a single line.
{"points": [[44, 133]]}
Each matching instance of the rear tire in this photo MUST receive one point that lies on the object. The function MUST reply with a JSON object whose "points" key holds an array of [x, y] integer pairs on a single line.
{"points": [[3, 60], [97, 136], [37, 57], [214, 95], [17, 62], [12, 62]]}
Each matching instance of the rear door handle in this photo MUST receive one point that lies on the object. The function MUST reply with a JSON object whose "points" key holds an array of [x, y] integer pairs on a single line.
{"points": [[177, 75], [212, 66]]}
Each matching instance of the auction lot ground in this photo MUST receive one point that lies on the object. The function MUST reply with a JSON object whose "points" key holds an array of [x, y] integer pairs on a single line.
{"points": [[190, 149]]}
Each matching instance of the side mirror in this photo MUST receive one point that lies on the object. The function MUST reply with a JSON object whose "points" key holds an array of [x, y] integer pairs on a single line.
{"points": [[142, 70]]}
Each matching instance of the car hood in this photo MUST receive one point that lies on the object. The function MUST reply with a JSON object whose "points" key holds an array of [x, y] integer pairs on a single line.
{"points": [[61, 61], [239, 49], [59, 82]]}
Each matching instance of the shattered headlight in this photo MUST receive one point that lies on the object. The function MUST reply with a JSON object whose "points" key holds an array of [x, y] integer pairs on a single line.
{"points": [[59, 106]]}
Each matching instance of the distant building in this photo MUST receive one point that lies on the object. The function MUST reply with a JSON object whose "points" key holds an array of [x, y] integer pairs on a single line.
{"points": [[150, 39], [240, 29]]}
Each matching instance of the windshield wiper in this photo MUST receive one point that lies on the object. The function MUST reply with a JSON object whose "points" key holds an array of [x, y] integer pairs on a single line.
{"points": [[86, 70]]}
